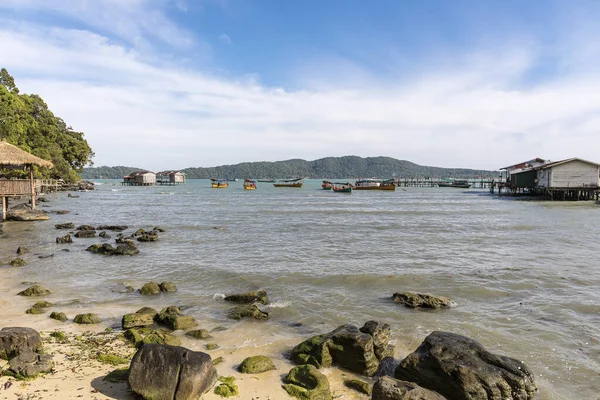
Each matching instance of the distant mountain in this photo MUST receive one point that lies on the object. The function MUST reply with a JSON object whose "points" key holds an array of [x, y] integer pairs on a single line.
{"points": [[329, 167]]}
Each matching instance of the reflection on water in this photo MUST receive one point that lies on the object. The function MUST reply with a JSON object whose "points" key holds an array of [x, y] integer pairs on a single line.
{"points": [[523, 274]]}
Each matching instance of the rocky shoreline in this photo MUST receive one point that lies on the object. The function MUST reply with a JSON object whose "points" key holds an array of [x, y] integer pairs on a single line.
{"points": [[83, 357]]}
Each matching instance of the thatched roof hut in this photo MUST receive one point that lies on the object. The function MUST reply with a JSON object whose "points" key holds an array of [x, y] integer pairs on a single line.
{"points": [[12, 156]]}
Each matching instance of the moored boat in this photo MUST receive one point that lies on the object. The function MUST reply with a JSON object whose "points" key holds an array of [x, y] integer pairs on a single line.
{"points": [[289, 184], [374, 184], [219, 184], [249, 184], [326, 185], [342, 187]]}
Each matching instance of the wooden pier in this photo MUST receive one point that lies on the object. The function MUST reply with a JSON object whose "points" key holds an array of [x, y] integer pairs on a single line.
{"points": [[478, 183]]}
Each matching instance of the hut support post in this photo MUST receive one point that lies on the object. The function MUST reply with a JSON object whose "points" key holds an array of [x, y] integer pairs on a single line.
{"points": [[32, 187], [3, 208]]}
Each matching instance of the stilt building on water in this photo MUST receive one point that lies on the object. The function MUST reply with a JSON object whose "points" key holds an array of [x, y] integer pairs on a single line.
{"points": [[170, 177], [140, 178]]}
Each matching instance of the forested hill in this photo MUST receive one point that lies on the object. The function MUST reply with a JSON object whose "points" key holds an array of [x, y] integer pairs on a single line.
{"points": [[330, 167], [27, 122]]}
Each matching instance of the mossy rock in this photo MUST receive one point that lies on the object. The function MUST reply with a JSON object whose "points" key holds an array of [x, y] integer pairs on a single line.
{"points": [[134, 336], [135, 320], [150, 288], [172, 318], [112, 359], [313, 351], [151, 336], [35, 290], [68, 225], [199, 334], [247, 311], [22, 250], [257, 296], [147, 237], [218, 360], [159, 229], [211, 346], [59, 336], [118, 375], [59, 316], [359, 386], [168, 287], [42, 304], [34, 310], [146, 310], [256, 365], [305, 382], [88, 318], [18, 262], [139, 232], [421, 300], [227, 388], [104, 235], [86, 228]]}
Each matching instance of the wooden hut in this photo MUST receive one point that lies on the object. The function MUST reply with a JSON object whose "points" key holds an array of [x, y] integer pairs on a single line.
{"points": [[170, 177], [13, 157], [140, 178]]}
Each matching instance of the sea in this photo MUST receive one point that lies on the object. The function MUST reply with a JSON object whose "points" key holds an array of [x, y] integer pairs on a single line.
{"points": [[524, 275]]}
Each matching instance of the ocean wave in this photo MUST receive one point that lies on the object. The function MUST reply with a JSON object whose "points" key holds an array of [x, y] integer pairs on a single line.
{"points": [[278, 304], [219, 296]]}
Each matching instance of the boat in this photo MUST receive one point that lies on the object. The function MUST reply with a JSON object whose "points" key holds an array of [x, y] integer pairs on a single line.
{"points": [[374, 184], [461, 184], [342, 187], [289, 184], [326, 185], [219, 184], [249, 184], [267, 180]]}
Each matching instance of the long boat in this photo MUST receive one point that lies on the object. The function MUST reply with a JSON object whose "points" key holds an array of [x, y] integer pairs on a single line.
{"points": [[326, 185], [219, 184], [267, 180], [249, 184], [342, 187], [374, 184], [289, 184]]}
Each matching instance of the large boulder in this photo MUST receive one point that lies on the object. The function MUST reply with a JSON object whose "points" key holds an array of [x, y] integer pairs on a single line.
{"points": [[462, 369], [163, 372], [67, 225], [126, 249], [26, 214], [168, 287], [150, 288], [29, 365], [85, 234], [34, 290], [307, 383], [387, 388], [14, 341], [87, 319], [258, 296], [421, 300], [136, 320], [256, 365], [247, 311], [347, 346]]}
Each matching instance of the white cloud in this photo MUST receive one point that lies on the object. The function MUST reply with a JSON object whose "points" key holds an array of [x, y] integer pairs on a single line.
{"points": [[468, 112], [223, 37]]}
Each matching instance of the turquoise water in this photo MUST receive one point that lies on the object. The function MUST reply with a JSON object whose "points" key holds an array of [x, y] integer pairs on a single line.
{"points": [[524, 275]]}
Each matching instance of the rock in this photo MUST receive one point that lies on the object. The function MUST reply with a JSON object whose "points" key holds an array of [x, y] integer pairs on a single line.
{"points": [[136, 320], [86, 228], [104, 248], [199, 334], [227, 388], [307, 383], [104, 235], [14, 341], [211, 346], [147, 237], [387, 367], [159, 229], [258, 296], [347, 346], [256, 365], [107, 249], [35, 290], [128, 249], [112, 359], [150, 288], [247, 311], [387, 388], [29, 365], [421, 300], [124, 240], [88, 318], [358, 385], [68, 225], [170, 372], [22, 250], [146, 310], [172, 318], [115, 228], [46, 256], [18, 262], [381, 337], [64, 240], [168, 287], [42, 304], [62, 212], [85, 234], [26, 214], [460, 368], [218, 360], [35, 311], [59, 316]]}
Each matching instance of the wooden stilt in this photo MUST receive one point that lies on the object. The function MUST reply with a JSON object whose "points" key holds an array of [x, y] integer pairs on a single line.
{"points": [[3, 208], [32, 187]]}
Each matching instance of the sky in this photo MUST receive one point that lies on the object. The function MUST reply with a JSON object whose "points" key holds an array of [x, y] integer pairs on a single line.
{"points": [[170, 84]]}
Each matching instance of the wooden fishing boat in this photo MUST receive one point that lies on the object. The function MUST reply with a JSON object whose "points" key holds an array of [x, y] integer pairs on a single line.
{"points": [[249, 184], [326, 185], [289, 184], [219, 184], [374, 184], [267, 180], [342, 188]]}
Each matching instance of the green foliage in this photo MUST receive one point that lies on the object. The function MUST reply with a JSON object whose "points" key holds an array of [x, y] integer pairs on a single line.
{"points": [[330, 167], [26, 122], [228, 388], [111, 359]]}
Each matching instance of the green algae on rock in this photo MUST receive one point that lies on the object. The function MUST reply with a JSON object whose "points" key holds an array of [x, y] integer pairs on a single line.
{"points": [[305, 382], [199, 334], [18, 262], [227, 388], [136, 320], [247, 311], [112, 359], [421, 300], [168, 287], [359, 386], [59, 316], [150, 288], [256, 365], [172, 318], [88, 318], [35, 290], [257, 296], [34, 310], [211, 346]]}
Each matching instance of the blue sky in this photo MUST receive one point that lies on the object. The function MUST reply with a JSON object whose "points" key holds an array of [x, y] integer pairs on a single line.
{"points": [[176, 83]]}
